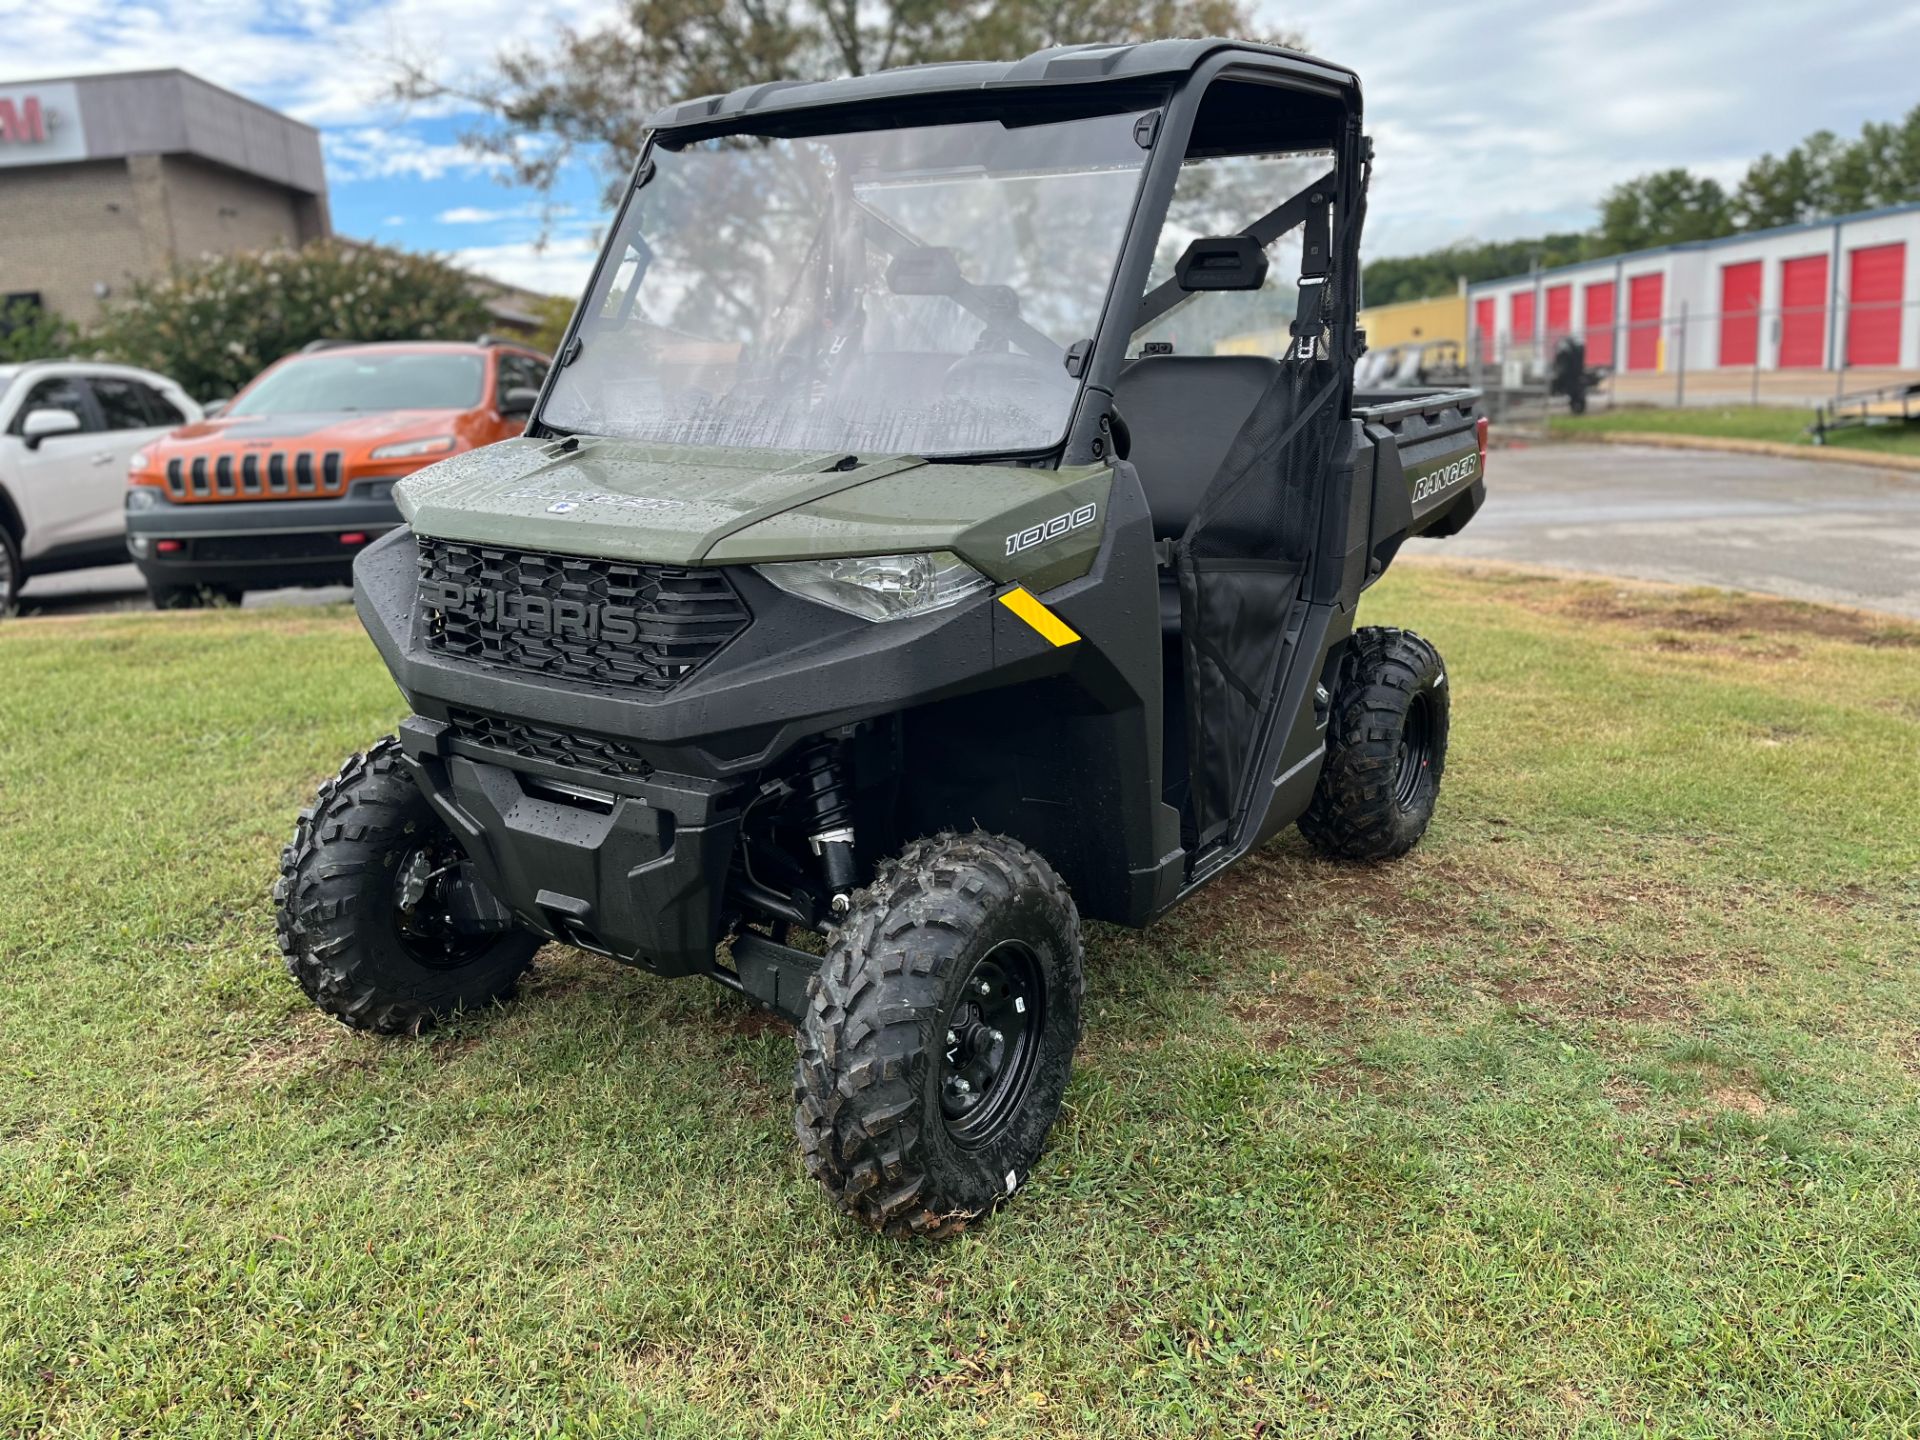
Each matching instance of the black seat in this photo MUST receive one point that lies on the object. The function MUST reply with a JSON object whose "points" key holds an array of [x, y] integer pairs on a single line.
{"points": [[1183, 412]]}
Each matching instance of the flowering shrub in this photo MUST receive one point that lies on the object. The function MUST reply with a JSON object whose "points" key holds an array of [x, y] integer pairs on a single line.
{"points": [[29, 332], [216, 325]]}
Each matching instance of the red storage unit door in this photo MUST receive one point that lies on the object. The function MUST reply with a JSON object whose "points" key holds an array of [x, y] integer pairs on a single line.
{"points": [[1803, 312], [1740, 313], [1559, 313], [1876, 278], [1522, 332], [1643, 321], [1598, 322], [1483, 324]]}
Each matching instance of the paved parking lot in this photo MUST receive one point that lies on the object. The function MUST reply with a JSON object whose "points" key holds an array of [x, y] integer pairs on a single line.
{"points": [[1845, 534], [118, 587]]}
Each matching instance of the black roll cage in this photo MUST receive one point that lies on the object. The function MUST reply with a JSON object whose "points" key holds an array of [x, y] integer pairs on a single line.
{"points": [[1179, 95]]}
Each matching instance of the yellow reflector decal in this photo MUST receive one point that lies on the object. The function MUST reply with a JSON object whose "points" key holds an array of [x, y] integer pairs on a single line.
{"points": [[1050, 625]]}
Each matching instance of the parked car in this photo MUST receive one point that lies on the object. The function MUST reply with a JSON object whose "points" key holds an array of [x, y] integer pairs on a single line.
{"points": [[67, 431], [296, 474]]}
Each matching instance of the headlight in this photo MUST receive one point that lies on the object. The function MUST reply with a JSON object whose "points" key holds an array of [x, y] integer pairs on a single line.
{"points": [[143, 497], [136, 462], [880, 587], [407, 449]]}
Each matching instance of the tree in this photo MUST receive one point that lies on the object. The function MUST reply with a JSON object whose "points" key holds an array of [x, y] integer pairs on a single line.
{"points": [[593, 89], [553, 312], [29, 331], [214, 326], [1415, 277], [1663, 208], [1824, 175]]}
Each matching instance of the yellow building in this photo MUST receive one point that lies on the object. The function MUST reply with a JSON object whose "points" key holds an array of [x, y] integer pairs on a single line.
{"points": [[1443, 317]]}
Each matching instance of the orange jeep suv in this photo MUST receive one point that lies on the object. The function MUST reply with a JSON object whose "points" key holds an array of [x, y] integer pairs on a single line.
{"points": [[296, 475]]}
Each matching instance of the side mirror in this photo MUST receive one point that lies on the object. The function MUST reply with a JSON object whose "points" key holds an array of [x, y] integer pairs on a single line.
{"points": [[1222, 262], [44, 423], [519, 400]]}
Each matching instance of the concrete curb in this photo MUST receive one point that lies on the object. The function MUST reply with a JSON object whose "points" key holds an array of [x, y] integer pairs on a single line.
{"points": [[1833, 454]]}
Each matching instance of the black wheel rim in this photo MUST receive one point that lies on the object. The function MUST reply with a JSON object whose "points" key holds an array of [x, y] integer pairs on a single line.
{"points": [[1416, 751], [992, 1045], [421, 885]]}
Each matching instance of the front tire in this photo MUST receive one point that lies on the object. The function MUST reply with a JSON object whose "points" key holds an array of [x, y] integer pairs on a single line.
{"points": [[1386, 749], [939, 1035], [360, 919]]}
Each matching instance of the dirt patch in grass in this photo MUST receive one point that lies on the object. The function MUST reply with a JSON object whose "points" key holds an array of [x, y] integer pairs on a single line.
{"points": [[1351, 1078], [557, 970], [1280, 892], [750, 1021], [1283, 1017], [1563, 985], [1339, 942], [306, 1044], [1749, 647], [1741, 1100], [1692, 618]]}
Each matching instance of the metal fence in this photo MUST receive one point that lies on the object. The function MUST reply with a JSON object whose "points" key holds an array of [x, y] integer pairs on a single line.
{"points": [[1800, 356]]}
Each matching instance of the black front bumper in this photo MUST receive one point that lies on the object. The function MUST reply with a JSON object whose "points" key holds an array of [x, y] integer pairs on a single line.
{"points": [[633, 867], [259, 543]]}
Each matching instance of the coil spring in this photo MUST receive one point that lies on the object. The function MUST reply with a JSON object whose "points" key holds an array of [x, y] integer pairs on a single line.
{"points": [[823, 789]]}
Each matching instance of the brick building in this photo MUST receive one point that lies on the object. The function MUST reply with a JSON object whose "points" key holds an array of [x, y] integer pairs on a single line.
{"points": [[109, 178]]}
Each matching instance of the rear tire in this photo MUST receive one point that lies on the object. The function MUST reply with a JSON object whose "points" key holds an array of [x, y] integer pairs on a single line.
{"points": [[939, 1035], [1386, 749], [10, 577], [355, 907], [194, 597]]}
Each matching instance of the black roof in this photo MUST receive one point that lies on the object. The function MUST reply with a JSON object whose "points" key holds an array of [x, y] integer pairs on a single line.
{"points": [[1061, 66]]}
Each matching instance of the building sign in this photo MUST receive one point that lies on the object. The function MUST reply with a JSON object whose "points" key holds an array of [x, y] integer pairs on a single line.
{"points": [[40, 125]]}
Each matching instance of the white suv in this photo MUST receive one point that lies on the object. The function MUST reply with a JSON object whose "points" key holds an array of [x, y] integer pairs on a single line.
{"points": [[67, 431]]}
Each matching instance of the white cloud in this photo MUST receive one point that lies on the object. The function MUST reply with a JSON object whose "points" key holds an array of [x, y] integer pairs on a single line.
{"points": [[560, 267], [1502, 118], [476, 215], [328, 62], [394, 220], [1494, 118], [370, 152]]}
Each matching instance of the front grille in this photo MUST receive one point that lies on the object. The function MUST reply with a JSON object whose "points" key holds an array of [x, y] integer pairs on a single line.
{"points": [[528, 741], [259, 475], [600, 622]]}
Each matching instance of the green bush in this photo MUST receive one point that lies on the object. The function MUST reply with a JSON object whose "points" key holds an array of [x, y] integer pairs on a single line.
{"points": [[28, 331], [216, 325]]}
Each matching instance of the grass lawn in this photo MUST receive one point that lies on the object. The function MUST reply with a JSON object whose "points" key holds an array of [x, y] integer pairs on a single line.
{"points": [[1738, 422], [1599, 1115]]}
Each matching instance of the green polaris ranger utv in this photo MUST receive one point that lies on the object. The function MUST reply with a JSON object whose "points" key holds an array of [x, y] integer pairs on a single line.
{"points": [[944, 522]]}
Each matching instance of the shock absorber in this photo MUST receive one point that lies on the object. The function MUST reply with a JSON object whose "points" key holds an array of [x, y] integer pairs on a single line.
{"points": [[824, 799]]}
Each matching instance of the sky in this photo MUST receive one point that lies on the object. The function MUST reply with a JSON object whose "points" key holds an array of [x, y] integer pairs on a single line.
{"points": [[1492, 119]]}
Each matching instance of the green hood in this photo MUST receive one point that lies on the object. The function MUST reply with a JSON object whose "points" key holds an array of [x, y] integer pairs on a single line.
{"points": [[685, 505]]}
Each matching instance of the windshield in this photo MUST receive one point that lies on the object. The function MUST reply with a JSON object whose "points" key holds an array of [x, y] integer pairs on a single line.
{"points": [[896, 291], [317, 383]]}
